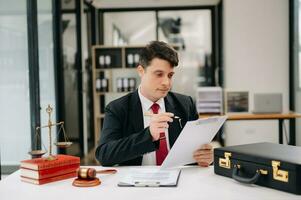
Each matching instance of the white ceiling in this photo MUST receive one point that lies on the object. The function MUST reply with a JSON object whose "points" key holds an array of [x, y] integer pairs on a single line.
{"points": [[105, 4]]}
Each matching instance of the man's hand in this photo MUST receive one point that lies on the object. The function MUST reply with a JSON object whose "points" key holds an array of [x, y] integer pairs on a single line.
{"points": [[204, 155], [159, 123]]}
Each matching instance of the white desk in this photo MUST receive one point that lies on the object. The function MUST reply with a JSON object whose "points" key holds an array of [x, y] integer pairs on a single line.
{"points": [[291, 116], [195, 183]]}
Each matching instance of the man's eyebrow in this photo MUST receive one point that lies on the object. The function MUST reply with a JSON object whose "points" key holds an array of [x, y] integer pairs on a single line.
{"points": [[158, 70]]}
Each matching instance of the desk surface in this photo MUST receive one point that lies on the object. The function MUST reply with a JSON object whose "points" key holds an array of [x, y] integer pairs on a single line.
{"points": [[251, 116], [195, 183]]}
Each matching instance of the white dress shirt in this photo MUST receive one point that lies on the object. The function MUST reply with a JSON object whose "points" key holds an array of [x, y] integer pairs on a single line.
{"points": [[150, 158]]}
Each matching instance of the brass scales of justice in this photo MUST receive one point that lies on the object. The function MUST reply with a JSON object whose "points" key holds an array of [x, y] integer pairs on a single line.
{"points": [[64, 144]]}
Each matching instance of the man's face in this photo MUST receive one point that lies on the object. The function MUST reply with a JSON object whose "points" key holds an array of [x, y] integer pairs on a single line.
{"points": [[156, 79]]}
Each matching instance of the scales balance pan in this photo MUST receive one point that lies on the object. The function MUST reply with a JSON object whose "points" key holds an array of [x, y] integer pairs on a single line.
{"points": [[37, 153], [66, 143], [63, 144]]}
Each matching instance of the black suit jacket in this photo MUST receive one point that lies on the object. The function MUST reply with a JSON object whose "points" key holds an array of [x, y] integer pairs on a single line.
{"points": [[124, 139]]}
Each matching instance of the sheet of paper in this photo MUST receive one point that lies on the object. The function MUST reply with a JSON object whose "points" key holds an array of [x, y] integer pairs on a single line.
{"points": [[194, 134], [148, 177]]}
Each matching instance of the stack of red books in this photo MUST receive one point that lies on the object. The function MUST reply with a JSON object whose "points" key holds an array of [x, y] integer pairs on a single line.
{"points": [[40, 170]]}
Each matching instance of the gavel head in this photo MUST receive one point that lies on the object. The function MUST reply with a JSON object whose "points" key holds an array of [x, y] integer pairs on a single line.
{"points": [[86, 173]]}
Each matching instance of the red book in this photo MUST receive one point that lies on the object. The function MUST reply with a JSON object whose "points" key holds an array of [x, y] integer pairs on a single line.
{"points": [[48, 180], [50, 172], [42, 163]]}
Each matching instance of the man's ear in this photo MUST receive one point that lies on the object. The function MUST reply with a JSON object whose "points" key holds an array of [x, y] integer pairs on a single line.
{"points": [[140, 70]]}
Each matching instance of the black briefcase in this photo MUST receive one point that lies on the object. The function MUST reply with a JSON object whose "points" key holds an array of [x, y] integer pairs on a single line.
{"points": [[271, 165]]}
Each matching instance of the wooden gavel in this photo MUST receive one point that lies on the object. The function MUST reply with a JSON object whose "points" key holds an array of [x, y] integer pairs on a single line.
{"points": [[90, 173]]}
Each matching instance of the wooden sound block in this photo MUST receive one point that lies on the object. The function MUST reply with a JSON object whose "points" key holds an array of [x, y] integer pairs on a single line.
{"points": [[86, 182]]}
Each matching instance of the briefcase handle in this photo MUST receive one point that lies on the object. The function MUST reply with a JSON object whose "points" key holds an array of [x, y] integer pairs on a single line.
{"points": [[241, 179]]}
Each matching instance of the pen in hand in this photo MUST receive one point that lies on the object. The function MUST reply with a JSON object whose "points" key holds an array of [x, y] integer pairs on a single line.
{"points": [[175, 117], [151, 114]]}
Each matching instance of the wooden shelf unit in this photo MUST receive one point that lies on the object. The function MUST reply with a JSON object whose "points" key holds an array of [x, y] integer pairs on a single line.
{"points": [[121, 64]]}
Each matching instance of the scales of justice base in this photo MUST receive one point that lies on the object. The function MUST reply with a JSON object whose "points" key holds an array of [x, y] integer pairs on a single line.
{"points": [[64, 144]]}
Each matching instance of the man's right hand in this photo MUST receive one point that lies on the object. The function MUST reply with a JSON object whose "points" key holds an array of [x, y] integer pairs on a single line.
{"points": [[159, 123]]}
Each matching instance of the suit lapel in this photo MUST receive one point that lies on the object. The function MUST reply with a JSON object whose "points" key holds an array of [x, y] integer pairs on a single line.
{"points": [[135, 112], [174, 127]]}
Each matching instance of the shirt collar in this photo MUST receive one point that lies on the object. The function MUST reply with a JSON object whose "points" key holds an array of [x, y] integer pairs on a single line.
{"points": [[146, 103]]}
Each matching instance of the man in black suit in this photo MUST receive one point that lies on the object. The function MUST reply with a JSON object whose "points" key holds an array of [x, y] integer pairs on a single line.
{"points": [[140, 127]]}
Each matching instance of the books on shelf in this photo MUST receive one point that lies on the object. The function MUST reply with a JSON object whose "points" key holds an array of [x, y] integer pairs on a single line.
{"points": [[50, 172], [50, 179], [42, 163]]}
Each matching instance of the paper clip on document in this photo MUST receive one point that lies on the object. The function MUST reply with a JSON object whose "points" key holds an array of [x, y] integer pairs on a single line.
{"points": [[147, 184]]}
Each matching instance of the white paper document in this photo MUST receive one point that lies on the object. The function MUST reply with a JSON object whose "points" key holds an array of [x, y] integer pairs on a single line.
{"points": [[194, 134], [150, 177]]}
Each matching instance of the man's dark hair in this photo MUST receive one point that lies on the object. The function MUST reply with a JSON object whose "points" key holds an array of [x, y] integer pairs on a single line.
{"points": [[158, 49]]}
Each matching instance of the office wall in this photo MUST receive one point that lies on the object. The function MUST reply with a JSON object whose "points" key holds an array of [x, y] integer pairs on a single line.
{"points": [[256, 59]]}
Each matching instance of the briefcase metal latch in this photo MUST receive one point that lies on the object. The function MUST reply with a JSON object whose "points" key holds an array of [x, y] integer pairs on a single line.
{"points": [[278, 174], [225, 162]]}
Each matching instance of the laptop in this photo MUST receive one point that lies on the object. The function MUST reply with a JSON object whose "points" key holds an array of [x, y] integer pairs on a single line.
{"points": [[267, 103]]}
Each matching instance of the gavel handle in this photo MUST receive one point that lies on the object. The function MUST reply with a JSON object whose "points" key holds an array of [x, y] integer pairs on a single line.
{"points": [[106, 171]]}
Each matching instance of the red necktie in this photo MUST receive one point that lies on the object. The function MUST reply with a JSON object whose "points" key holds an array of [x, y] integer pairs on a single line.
{"points": [[162, 152]]}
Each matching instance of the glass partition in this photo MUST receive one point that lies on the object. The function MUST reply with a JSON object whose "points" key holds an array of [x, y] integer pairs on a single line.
{"points": [[46, 68], [190, 30], [15, 136], [71, 103], [129, 28]]}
